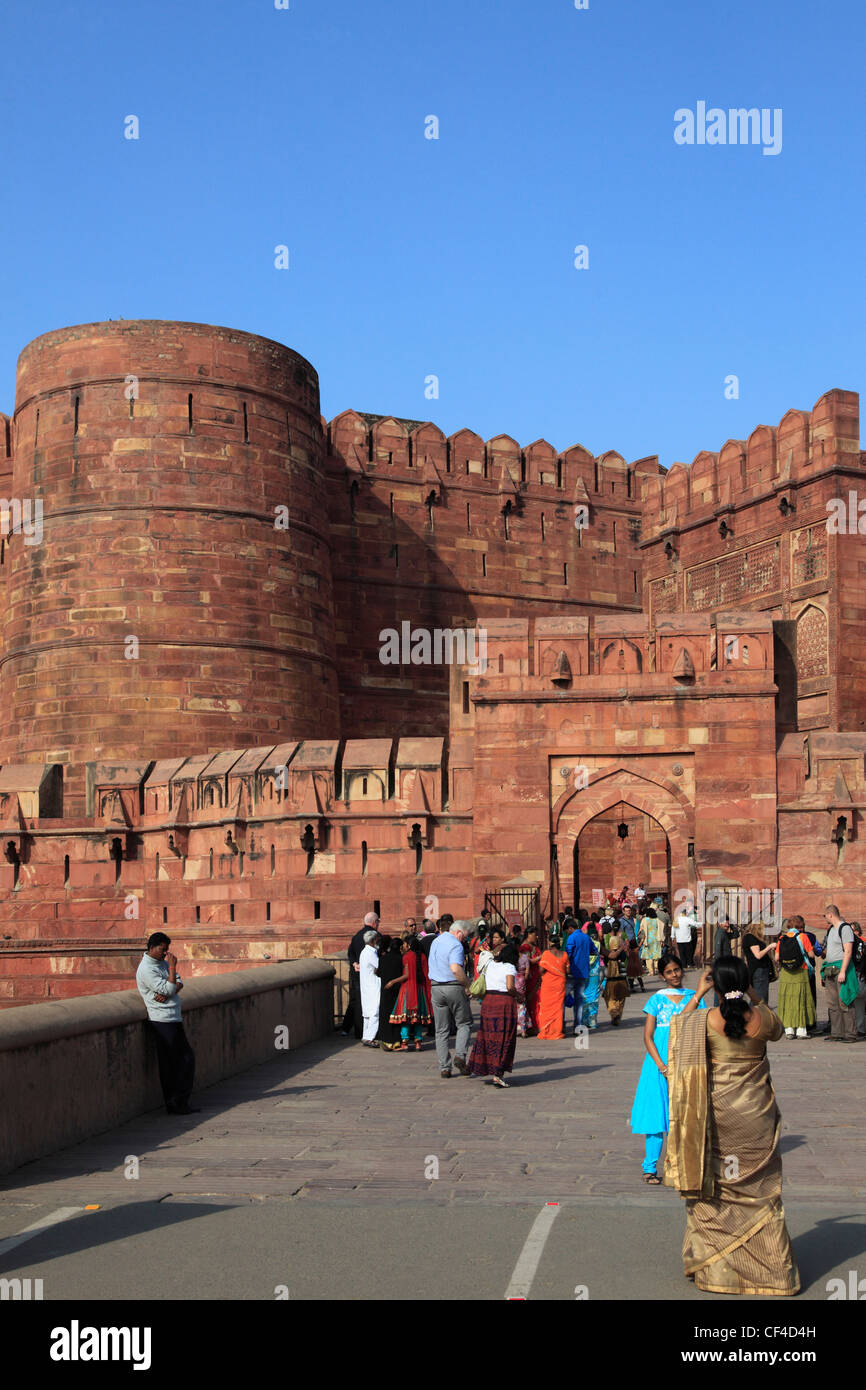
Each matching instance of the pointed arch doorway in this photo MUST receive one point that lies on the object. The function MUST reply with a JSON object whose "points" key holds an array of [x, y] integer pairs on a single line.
{"points": [[622, 845]]}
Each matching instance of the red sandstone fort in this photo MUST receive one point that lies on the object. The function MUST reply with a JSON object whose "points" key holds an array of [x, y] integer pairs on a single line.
{"points": [[197, 731]]}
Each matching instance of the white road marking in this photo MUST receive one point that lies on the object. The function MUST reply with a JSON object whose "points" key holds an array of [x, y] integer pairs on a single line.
{"points": [[43, 1224], [530, 1256]]}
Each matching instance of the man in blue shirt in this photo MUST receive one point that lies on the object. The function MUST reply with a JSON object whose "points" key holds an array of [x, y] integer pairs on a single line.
{"points": [[449, 991], [627, 922], [577, 948]]}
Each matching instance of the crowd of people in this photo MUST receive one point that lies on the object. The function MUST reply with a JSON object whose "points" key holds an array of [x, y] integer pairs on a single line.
{"points": [[704, 1093]]}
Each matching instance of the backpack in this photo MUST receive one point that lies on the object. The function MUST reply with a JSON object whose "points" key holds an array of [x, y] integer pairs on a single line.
{"points": [[858, 954], [792, 957]]}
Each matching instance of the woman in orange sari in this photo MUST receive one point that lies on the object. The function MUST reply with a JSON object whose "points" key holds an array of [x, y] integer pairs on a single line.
{"points": [[551, 993]]}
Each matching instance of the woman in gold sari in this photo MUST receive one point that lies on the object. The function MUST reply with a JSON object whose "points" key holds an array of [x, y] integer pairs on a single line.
{"points": [[723, 1145]]}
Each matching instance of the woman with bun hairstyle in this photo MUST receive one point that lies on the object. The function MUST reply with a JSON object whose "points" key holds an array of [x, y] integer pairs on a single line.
{"points": [[723, 1143]]}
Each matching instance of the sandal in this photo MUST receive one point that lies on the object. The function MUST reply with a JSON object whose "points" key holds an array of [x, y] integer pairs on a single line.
{"points": [[417, 1047], [653, 1179]]}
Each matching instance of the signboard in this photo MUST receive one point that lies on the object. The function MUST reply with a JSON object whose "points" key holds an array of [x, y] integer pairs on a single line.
{"points": [[513, 917], [598, 897]]}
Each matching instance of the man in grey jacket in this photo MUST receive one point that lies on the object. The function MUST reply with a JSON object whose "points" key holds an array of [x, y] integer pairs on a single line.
{"points": [[159, 986]]}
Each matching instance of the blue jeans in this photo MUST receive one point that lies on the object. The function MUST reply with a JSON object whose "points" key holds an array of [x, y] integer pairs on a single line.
{"points": [[578, 988]]}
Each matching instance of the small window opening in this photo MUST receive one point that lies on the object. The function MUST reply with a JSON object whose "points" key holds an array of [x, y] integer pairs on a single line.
{"points": [[317, 909], [363, 856], [189, 412], [75, 423], [246, 425]]}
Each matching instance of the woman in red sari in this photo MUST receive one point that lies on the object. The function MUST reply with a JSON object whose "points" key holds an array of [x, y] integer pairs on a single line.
{"points": [[533, 977], [412, 1006], [553, 966]]}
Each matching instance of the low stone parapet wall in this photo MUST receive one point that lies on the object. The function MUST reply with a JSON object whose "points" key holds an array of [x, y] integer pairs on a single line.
{"points": [[72, 1069]]}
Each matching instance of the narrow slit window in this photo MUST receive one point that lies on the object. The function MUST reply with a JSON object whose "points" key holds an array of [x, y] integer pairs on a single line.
{"points": [[198, 913], [317, 909], [164, 916], [392, 506], [75, 422], [465, 697], [542, 525], [246, 425], [565, 574], [273, 861], [522, 469], [210, 864], [189, 412], [468, 518], [267, 912], [363, 856], [483, 566], [36, 434], [377, 907], [66, 871], [559, 472], [231, 912]]}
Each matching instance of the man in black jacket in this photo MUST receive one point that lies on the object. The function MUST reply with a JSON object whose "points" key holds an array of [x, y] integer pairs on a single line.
{"points": [[352, 1020]]}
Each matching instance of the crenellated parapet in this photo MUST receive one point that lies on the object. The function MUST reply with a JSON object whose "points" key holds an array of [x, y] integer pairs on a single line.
{"points": [[772, 460], [383, 446]]}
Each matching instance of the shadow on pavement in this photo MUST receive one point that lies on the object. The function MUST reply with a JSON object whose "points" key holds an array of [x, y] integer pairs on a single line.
{"points": [[828, 1244]]}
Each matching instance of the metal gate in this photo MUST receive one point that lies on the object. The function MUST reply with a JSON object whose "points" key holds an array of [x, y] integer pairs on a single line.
{"points": [[510, 905]]}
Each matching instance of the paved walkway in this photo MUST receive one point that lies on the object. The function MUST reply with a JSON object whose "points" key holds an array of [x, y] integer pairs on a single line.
{"points": [[326, 1168]]}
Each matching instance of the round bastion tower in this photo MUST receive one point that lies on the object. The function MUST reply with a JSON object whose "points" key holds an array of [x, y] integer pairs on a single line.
{"points": [[178, 600]]}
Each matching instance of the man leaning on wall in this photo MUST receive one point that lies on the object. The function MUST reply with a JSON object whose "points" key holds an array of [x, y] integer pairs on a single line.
{"points": [[160, 985]]}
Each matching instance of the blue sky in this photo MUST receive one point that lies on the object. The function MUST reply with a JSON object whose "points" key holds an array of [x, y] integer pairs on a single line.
{"points": [[410, 257]]}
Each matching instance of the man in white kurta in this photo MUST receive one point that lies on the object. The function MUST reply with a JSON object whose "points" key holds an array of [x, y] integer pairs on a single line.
{"points": [[371, 987]]}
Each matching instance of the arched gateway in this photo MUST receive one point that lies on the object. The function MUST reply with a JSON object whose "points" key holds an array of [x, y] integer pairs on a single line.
{"points": [[623, 828]]}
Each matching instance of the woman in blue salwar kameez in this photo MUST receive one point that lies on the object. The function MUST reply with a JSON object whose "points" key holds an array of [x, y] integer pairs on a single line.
{"points": [[649, 1114]]}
